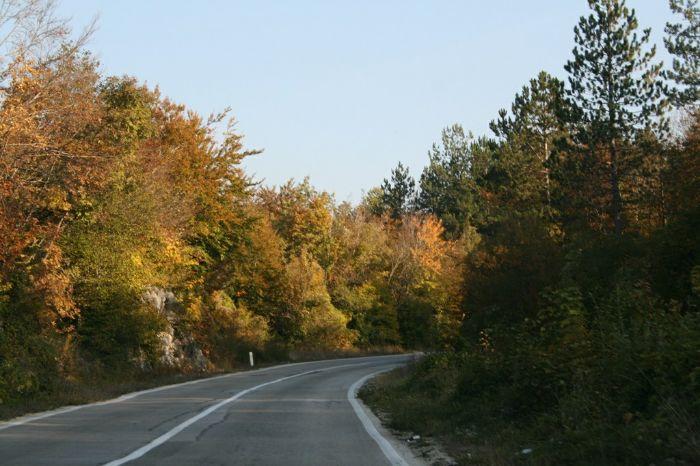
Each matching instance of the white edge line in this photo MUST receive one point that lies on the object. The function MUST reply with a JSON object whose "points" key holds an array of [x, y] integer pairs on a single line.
{"points": [[35, 417], [127, 396], [386, 447], [182, 426]]}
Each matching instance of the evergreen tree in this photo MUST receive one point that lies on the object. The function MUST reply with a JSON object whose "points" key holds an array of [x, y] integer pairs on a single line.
{"points": [[448, 184], [528, 136], [615, 84], [683, 41], [398, 193]]}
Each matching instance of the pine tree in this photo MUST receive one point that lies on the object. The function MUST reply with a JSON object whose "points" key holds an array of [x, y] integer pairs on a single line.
{"points": [[683, 41], [528, 136], [615, 84], [448, 185], [398, 193]]}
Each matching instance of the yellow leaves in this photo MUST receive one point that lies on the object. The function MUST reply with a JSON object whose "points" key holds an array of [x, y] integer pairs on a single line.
{"points": [[172, 249], [54, 284], [174, 253], [5, 288], [194, 309], [246, 327], [57, 199], [321, 325], [430, 248], [136, 260], [301, 215], [420, 256]]}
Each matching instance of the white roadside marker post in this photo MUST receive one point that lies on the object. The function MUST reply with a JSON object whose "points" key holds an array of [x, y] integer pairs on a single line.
{"points": [[250, 355]]}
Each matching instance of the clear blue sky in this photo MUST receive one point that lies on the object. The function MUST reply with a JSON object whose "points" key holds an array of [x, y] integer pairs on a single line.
{"points": [[340, 90]]}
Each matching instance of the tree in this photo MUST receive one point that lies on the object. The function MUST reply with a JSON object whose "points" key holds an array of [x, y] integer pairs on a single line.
{"points": [[314, 322], [528, 137], [302, 216], [615, 85], [357, 275], [31, 30], [398, 193], [424, 276], [373, 202], [448, 185], [50, 163], [683, 41]]}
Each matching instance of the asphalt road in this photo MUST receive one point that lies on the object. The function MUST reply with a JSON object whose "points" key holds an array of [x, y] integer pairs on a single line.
{"points": [[297, 414]]}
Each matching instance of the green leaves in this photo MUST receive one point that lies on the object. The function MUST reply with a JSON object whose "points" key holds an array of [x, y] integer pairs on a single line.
{"points": [[449, 184], [613, 79], [683, 42], [616, 89], [398, 194]]}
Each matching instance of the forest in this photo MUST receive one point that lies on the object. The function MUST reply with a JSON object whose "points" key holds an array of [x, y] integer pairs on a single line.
{"points": [[550, 270], [579, 221]]}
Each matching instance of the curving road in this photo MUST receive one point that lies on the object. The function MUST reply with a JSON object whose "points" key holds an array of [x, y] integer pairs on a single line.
{"points": [[295, 414]]}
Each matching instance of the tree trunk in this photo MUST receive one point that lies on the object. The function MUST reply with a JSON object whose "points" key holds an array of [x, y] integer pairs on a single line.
{"points": [[615, 190], [546, 177]]}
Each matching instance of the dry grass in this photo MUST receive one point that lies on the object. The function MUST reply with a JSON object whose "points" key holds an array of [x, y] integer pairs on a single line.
{"points": [[77, 392], [81, 392], [409, 412]]}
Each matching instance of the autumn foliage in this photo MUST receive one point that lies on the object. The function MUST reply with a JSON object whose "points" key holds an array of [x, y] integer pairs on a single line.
{"points": [[551, 268], [132, 242]]}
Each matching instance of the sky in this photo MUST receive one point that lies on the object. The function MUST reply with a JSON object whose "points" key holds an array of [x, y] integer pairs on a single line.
{"points": [[340, 91]]}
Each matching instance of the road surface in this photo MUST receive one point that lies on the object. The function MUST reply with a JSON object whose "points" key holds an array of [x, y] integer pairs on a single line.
{"points": [[296, 414]]}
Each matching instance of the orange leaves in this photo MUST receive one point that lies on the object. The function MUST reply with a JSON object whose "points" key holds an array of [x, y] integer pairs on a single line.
{"points": [[430, 248], [53, 284], [46, 161], [419, 251]]}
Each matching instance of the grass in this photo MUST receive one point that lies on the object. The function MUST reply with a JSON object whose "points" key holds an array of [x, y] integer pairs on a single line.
{"points": [[408, 402], [75, 392], [315, 355], [479, 420]]}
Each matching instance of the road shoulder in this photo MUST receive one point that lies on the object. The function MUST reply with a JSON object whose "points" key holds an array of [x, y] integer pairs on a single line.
{"points": [[415, 450]]}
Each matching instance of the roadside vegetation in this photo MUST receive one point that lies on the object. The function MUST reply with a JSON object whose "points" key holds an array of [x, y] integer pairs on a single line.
{"points": [[580, 342]]}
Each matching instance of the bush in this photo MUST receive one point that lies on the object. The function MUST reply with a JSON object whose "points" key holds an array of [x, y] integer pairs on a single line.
{"points": [[230, 331]]}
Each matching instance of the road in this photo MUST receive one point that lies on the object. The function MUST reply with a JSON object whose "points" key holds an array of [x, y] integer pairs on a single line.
{"points": [[295, 414]]}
